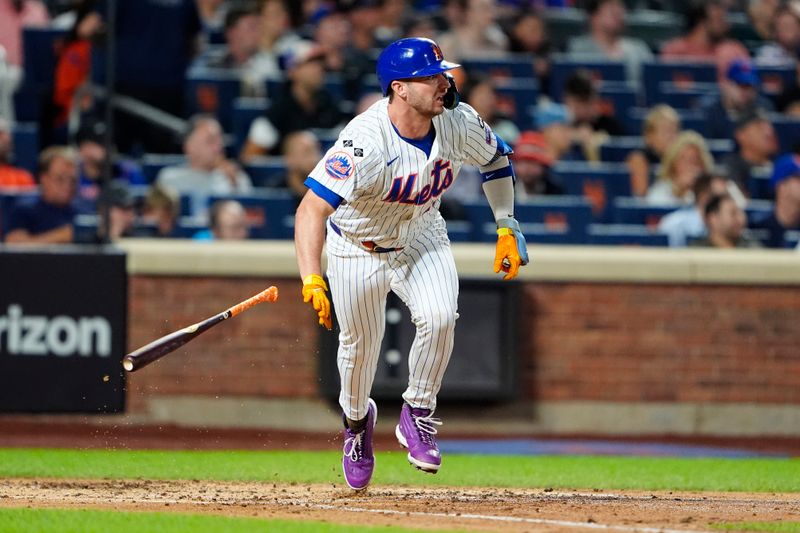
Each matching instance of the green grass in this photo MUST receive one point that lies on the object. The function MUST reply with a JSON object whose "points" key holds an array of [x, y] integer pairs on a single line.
{"points": [[766, 527], [643, 473], [87, 521]]}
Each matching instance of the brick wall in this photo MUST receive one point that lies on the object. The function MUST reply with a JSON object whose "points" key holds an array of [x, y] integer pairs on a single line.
{"points": [[581, 341], [681, 343], [268, 351]]}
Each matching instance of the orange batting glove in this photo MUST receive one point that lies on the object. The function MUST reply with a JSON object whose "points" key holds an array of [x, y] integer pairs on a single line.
{"points": [[512, 250], [314, 289]]}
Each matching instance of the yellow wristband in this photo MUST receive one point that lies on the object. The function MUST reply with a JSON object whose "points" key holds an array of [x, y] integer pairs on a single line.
{"points": [[504, 231], [315, 279]]}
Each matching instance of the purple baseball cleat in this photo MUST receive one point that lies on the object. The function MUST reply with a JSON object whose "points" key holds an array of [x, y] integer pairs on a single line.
{"points": [[358, 460], [417, 432]]}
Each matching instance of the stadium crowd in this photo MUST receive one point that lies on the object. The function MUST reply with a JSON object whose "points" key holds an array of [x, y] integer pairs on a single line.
{"points": [[641, 122]]}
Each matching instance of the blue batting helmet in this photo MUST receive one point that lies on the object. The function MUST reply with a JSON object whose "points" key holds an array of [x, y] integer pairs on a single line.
{"points": [[410, 58]]}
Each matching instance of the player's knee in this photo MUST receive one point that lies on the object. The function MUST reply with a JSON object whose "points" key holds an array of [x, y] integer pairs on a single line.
{"points": [[353, 350], [441, 320]]}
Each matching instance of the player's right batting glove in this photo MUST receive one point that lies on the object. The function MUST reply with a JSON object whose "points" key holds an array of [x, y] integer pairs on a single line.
{"points": [[314, 291], [512, 250]]}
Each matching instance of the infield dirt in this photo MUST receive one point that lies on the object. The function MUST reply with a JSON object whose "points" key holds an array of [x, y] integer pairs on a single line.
{"points": [[478, 509]]}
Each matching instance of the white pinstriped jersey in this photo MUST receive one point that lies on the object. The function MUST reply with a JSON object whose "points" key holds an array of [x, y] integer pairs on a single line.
{"points": [[390, 189]]}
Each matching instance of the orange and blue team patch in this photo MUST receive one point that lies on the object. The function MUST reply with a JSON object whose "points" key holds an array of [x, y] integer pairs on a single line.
{"points": [[339, 165]]}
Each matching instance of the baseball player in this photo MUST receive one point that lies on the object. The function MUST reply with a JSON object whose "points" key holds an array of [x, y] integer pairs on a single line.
{"points": [[376, 194]]}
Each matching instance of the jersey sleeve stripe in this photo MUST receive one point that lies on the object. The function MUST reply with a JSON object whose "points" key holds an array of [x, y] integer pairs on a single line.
{"points": [[323, 192]]}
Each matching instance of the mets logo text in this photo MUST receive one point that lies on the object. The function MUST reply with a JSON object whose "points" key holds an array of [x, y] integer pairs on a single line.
{"points": [[437, 53], [339, 166]]}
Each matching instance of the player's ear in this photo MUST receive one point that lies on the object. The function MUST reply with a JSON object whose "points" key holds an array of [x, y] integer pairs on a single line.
{"points": [[399, 88]]}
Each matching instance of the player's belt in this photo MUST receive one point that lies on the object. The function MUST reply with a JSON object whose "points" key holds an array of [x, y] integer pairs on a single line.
{"points": [[372, 247], [369, 245]]}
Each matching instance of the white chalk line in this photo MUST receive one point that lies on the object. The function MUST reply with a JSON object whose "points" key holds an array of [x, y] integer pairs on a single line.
{"points": [[327, 507], [496, 518]]}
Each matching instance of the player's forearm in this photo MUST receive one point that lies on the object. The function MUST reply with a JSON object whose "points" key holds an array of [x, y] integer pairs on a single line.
{"points": [[500, 195], [498, 186], [309, 234]]}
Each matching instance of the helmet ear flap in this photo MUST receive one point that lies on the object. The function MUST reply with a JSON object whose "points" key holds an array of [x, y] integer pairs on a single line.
{"points": [[452, 97]]}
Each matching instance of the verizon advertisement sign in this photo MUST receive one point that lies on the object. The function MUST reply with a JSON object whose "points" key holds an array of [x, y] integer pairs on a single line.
{"points": [[62, 330]]}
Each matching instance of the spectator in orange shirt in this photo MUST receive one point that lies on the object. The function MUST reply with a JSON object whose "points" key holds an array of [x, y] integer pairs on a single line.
{"points": [[11, 176], [75, 61]]}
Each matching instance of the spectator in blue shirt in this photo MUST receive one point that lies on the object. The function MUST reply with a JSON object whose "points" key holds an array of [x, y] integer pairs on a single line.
{"points": [[49, 218], [738, 93], [686, 223], [93, 156], [786, 214]]}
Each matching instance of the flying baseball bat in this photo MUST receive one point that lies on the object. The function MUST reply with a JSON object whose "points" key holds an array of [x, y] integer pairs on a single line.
{"points": [[172, 341]]}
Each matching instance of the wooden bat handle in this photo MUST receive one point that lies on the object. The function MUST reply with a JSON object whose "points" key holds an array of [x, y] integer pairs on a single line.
{"points": [[267, 295]]}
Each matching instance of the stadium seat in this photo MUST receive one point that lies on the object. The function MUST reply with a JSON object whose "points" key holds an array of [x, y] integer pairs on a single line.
{"points": [[636, 211], [758, 209], [616, 149], [788, 131], [599, 183], [791, 239], [548, 219], [266, 171], [516, 98], [245, 111], [536, 233], [26, 145], [479, 214], [459, 230], [562, 66], [188, 226], [774, 78], [212, 91], [625, 235], [681, 73], [691, 119], [616, 98], [334, 84], [85, 226], [565, 216], [682, 96], [502, 67], [760, 186], [269, 213]]}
